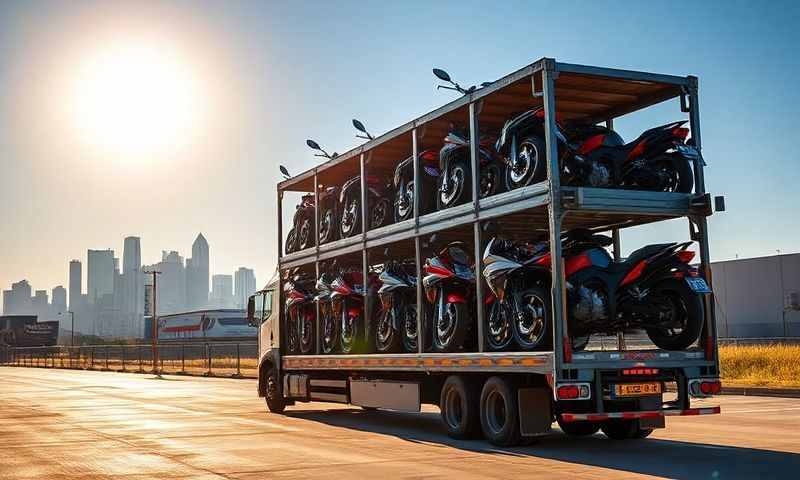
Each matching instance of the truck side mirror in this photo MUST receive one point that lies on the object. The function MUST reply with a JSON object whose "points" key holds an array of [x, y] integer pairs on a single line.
{"points": [[251, 311]]}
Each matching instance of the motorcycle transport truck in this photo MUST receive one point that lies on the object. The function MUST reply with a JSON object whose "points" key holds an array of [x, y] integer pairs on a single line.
{"points": [[496, 288]]}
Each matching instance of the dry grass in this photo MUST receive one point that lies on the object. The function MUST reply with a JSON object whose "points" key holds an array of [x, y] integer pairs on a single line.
{"points": [[760, 365]]}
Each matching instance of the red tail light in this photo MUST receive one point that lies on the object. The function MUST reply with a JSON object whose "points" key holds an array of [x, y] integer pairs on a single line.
{"points": [[701, 387], [574, 391], [635, 273], [680, 132], [685, 256]]}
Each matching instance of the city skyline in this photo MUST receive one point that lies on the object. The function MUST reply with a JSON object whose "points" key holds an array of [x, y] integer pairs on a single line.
{"points": [[113, 301]]}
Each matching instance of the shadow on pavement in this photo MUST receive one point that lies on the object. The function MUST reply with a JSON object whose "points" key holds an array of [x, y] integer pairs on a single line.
{"points": [[668, 458]]}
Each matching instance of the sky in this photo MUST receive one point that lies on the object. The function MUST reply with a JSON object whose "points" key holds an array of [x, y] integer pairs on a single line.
{"points": [[165, 119]]}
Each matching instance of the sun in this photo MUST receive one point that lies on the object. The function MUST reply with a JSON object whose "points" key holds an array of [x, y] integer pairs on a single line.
{"points": [[135, 98]]}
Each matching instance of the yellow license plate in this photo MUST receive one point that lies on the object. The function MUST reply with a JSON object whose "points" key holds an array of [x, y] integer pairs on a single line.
{"points": [[637, 389]]}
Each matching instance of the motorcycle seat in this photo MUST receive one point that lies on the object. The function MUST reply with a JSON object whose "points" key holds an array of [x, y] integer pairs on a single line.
{"points": [[646, 251]]}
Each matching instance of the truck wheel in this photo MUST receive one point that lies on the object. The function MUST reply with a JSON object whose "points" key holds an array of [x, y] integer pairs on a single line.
{"points": [[579, 429], [459, 404], [499, 413], [625, 430], [275, 401]]}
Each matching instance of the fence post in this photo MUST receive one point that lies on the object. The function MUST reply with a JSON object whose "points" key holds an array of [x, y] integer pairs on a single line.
{"points": [[208, 356], [122, 354], [183, 358], [238, 361], [160, 360], [108, 347], [140, 358]]}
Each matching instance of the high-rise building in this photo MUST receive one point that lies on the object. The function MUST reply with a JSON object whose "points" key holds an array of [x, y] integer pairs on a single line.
{"points": [[171, 290], [59, 299], [244, 286], [197, 274], [18, 300], [132, 281], [74, 285], [222, 291], [100, 274]]}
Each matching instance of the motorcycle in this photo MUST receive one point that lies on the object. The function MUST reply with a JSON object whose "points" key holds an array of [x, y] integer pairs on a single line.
{"points": [[517, 278], [449, 284], [329, 329], [405, 188], [329, 218], [348, 304], [654, 289], [593, 155], [455, 180], [396, 328], [301, 235], [299, 313], [350, 205]]}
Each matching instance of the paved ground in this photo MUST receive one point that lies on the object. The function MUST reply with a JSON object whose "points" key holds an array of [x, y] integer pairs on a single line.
{"points": [[75, 424]]}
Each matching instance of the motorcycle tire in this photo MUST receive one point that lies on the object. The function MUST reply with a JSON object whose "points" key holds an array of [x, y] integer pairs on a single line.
{"points": [[490, 180], [305, 234], [410, 330], [379, 213], [329, 335], [675, 165], [451, 338], [327, 227], [499, 331], [684, 302], [462, 186], [307, 333], [387, 337], [535, 169], [292, 340], [401, 215], [533, 330], [291, 242], [352, 205], [354, 342]]}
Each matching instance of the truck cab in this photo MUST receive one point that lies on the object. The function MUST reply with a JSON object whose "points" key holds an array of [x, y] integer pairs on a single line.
{"points": [[262, 312]]}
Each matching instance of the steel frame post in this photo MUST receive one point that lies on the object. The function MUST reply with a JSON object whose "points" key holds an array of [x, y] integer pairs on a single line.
{"points": [[367, 301], [363, 170], [316, 263], [317, 331], [617, 246], [710, 326], [280, 224], [417, 242], [555, 216], [474, 153]]}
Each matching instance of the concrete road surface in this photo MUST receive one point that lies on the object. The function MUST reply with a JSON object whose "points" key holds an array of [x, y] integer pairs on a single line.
{"points": [[58, 424]]}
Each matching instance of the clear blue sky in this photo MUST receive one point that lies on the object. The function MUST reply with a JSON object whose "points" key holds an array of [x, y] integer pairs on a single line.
{"points": [[286, 71]]}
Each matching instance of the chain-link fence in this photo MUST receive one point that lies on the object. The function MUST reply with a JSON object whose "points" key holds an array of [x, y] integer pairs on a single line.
{"points": [[209, 359]]}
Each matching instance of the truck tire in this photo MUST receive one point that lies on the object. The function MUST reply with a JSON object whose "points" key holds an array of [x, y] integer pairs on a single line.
{"points": [[275, 401], [500, 413], [459, 404], [625, 430]]}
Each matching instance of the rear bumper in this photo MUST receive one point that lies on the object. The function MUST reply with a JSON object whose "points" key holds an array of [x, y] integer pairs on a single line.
{"points": [[600, 417]]}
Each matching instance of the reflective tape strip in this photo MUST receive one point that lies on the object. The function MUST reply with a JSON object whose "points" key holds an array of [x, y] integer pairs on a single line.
{"points": [[422, 363], [599, 417]]}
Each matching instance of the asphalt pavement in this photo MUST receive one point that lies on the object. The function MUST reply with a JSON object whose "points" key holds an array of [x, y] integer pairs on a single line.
{"points": [[59, 424]]}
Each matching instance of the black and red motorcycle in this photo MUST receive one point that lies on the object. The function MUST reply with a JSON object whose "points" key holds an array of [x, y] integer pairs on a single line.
{"points": [[380, 210], [654, 289], [329, 216], [301, 235], [592, 155], [329, 325], [300, 313], [348, 299], [396, 326]]}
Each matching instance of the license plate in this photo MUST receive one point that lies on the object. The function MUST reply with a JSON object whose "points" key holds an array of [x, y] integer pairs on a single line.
{"points": [[698, 284], [636, 389]]}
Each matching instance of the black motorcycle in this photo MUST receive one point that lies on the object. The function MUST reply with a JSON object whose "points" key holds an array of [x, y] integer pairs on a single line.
{"points": [[455, 180], [593, 155], [396, 328], [301, 235], [329, 215], [378, 194], [405, 188], [329, 325]]}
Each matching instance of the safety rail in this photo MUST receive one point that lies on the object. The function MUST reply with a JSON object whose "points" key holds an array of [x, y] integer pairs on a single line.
{"points": [[237, 360]]}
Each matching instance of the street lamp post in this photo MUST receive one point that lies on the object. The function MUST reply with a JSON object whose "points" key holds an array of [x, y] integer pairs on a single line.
{"points": [[154, 324]]}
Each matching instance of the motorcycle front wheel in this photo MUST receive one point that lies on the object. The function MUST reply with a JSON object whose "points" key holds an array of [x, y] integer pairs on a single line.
{"points": [[350, 334], [490, 179], [530, 164], [329, 340], [291, 242], [387, 337], [674, 173], [404, 206], [292, 340], [305, 236], [307, 332], [410, 330], [451, 325], [351, 217], [379, 213], [456, 188], [677, 301], [499, 334], [327, 227], [532, 322]]}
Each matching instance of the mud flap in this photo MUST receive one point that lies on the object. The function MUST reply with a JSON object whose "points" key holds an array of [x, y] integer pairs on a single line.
{"points": [[652, 402], [535, 412]]}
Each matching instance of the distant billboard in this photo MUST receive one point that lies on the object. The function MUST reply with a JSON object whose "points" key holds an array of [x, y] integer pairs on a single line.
{"points": [[221, 324], [25, 331]]}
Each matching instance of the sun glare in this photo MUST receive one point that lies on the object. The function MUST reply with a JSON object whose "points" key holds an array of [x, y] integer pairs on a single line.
{"points": [[136, 98]]}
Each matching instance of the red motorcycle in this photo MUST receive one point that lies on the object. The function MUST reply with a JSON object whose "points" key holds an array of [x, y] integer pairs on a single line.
{"points": [[348, 297], [299, 313]]}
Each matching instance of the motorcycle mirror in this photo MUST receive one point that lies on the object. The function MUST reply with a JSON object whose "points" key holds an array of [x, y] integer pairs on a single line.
{"points": [[441, 75], [285, 172], [313, 145]]}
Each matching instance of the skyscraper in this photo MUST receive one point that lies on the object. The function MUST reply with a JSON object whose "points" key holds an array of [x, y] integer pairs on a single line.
{"points": [[171, 290], [222, 291], [59, 299], [245, 285], [132, 301], [197, 274], [100, 274], [74, 285]]}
